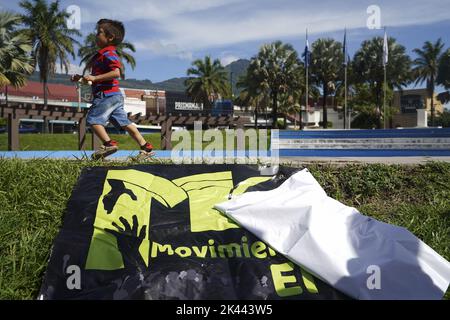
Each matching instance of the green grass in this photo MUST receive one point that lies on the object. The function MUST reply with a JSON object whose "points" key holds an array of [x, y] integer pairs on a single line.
{"points": [[59, 141], [33, 195]]}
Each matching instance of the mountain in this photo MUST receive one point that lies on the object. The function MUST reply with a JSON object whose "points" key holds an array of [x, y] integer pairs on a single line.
{"points": [[237, 68]]}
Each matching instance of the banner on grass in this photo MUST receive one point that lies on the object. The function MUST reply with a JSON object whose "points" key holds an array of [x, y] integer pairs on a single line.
{"points": [[151, 232]]}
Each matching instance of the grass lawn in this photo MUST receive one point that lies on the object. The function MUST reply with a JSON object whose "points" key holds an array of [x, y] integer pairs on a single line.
{"points": [[33, 196], [60, 141]]}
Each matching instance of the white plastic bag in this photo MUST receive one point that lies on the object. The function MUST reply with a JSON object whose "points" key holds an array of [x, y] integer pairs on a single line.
{"points": [[356, 254]]}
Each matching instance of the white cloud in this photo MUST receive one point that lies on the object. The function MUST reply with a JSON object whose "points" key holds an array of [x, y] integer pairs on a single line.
{"points": [[227, 59], [183, 26], [73, 69], [159, 48], [267, 24], [156, 10], [275, 23]]}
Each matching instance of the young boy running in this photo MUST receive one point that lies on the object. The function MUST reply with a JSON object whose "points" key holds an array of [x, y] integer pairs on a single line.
{"points": [[108, 103]]}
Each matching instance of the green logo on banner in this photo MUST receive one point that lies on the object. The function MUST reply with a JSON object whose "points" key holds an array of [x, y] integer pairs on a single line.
{"points": [[125, 206]]}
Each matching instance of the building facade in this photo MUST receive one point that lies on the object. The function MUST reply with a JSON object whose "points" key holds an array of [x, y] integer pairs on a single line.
{"points": [[407, 102]]}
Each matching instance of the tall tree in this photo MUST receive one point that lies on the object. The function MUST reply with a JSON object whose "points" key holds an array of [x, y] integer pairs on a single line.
{"points": [[209, 82], [15, 61], [254, 90], [280, 68], [289, 104], [45, 24], [368, 68], [427, 67], [443, 77], [89, 49], [327, 61]]}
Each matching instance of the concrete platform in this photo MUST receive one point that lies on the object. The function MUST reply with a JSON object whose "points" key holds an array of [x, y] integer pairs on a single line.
{"points": [[123, 155], [366, 160]]}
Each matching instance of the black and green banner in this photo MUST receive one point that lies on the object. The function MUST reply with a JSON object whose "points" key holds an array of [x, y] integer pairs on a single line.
{"points": [[151, 232]]}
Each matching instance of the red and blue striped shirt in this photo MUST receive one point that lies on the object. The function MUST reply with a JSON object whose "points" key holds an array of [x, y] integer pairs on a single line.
{"points": [[104, 61]]}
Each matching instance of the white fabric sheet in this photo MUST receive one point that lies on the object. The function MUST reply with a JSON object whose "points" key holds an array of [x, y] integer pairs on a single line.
{"points": [[356, 254]]}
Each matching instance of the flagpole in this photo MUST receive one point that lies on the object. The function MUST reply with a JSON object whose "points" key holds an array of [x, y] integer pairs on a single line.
{"points": [[345, 99], [384, 98], [307, 66], [345, 78], [385, 60]]}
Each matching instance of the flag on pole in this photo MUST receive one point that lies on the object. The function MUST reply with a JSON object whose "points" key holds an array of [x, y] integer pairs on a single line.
{"points": [[346, 56], [385, 49], [307, 53]]}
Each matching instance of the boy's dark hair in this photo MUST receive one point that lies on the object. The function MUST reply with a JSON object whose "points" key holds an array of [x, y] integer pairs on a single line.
{"points": [[112, 28]]}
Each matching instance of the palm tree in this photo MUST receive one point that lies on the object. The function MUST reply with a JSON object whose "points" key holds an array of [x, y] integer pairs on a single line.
{"points": [[89, 50], [51, 38], [327, 60], [289, 103], [443, 77], [427, 66], [279, 66], [210, 81], [368, 68], [15, 63], [254, 90]]}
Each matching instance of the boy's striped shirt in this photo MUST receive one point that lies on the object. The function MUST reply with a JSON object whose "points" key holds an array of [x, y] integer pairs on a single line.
{"points": [[106, 60]]}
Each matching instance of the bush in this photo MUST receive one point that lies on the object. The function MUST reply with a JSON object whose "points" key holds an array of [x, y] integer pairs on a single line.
{"points": [[329, 124], [281, 124], [367, 118], [442, 119]]}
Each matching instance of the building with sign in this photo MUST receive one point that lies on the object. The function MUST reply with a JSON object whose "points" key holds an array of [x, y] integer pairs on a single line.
{"points": [[407, 102]]}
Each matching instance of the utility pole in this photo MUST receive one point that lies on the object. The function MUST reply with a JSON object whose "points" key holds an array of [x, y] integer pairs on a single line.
{"points": [[231, 84]]}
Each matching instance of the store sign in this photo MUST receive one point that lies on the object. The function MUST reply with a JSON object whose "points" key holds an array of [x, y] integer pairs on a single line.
{"points": [[188, 106]]}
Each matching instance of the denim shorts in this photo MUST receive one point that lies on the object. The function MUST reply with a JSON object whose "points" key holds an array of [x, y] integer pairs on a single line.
{"points": [[108, 109]]}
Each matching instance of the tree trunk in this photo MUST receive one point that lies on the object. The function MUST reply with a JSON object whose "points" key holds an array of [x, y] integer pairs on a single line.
{"points": [[44, 86], [432, 101], [432, 110], [274, 111], [379, 107], [256, 117], [324, 107], [300, 120], [45, 123]]}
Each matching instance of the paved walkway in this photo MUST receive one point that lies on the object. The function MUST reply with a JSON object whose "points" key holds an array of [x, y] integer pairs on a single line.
{"points": [[122, 155], [346, 160]]}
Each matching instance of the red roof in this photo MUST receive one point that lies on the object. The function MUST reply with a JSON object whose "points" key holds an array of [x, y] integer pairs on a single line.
{"points": [[134, 93], [35, 89]]}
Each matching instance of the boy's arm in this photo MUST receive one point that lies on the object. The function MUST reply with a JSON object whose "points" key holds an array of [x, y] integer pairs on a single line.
{"points": [[104, 77], [75, 77]]}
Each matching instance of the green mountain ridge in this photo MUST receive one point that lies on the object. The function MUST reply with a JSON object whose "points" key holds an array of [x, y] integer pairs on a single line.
{"points": [[234, 69]]}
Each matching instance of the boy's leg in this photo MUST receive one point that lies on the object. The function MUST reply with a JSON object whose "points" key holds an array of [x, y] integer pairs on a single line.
{"points": [[146, 148], [135, 134], [100, 112], [108, 147], [100, 132]]}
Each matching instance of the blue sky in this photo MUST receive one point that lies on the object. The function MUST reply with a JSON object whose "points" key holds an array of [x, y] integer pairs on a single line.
{"points": [[169, 34]]}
